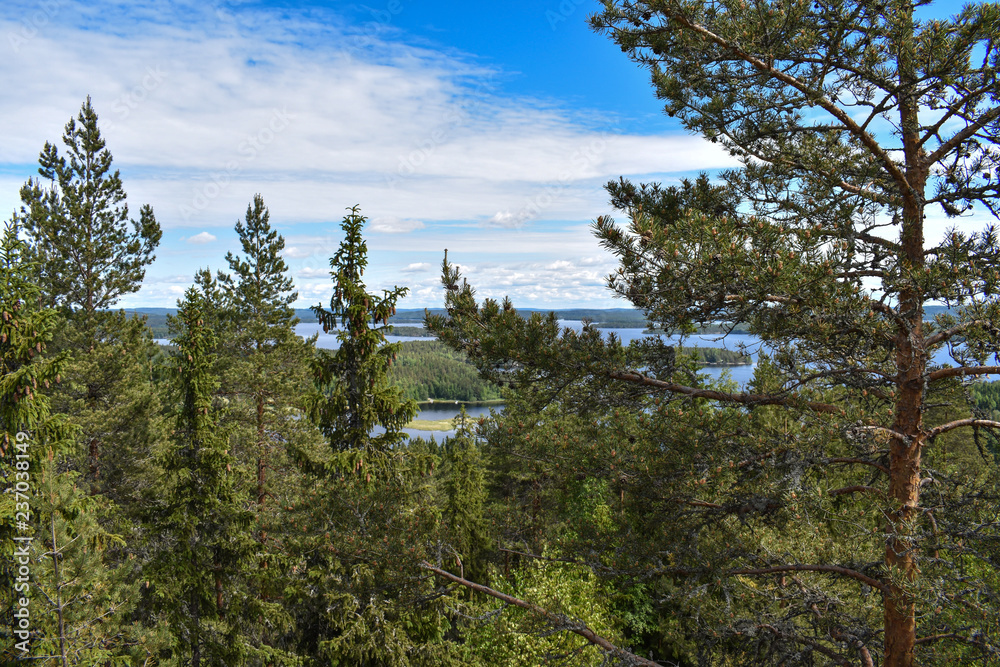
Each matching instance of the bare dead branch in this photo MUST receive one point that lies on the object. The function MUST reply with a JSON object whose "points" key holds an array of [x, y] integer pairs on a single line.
{"points": [[576, 628]]}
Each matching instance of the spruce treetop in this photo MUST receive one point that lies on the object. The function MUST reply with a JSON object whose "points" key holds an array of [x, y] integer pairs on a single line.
{"points": [[354, 379]]}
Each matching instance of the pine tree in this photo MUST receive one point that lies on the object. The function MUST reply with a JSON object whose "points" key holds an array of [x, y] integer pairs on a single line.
{"points": [[265, 374], [85, 258], [800, 93], [77, 226], [265, 360], [816, 245], [258, 290]]}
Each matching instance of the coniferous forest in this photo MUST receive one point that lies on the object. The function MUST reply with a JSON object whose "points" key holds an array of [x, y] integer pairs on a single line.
{"points": [[241, 497]]}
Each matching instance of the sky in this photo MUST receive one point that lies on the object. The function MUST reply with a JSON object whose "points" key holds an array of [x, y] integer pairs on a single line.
{"points": [[489, 129]]}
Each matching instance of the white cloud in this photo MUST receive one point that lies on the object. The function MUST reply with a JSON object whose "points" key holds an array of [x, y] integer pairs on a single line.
{"points": [[205, 104], [202, 112], [394, 225], [313, 272], [416, 267], [199, 239], [505, 219], [298, 253]]}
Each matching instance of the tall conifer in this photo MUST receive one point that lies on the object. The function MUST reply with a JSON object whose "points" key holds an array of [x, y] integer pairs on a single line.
{"points": [[357, 395], [203, 544], [86, 254]]}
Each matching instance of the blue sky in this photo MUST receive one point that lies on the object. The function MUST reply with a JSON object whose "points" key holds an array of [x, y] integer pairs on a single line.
{"points": [[485, 128], [489, 129]]}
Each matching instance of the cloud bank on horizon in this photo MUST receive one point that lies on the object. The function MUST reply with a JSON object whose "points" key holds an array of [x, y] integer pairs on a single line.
{"points": [[204, 104]]}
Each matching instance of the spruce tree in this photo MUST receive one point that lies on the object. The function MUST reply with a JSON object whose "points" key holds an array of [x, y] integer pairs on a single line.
{"points": [[27, 427], [82, 599], [464, 513], [356, 393], [369, 513], [203, 547]]}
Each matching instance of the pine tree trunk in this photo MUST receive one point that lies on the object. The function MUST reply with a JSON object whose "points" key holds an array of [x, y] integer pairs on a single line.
{"points": [[196, 635], [905, 448], [261, 453], [59, 603]]}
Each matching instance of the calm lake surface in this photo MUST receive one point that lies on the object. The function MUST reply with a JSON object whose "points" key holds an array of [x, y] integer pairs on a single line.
{"points": [[740, 374], [447, 410]]}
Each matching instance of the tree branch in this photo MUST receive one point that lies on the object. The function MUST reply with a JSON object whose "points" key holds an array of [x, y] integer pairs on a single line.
{"points": [[855, 489], [866, 462], [962, 371], [746, 399], [814, 96], [578, 628], [808, 642], [947, 334], [966, 132], [959, 423], [836, 569]]}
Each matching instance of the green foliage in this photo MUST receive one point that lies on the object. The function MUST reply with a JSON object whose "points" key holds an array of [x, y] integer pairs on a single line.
{"points": [[514, 637], [264, 375], [84, 255], [355, 589], [824, 257], [25, 332], [27, 427], [80, 603], [428, 369], [357, 395], [203, 545], [110, 395], [465, 524], [258, 290], [986, 396]]}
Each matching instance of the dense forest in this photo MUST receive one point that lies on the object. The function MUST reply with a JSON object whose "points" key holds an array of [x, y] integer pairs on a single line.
{"points": [[242, 498]]}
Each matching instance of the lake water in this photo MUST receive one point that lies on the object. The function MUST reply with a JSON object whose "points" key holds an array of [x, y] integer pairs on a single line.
{"points": [[329, 341], [740, 374]]}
